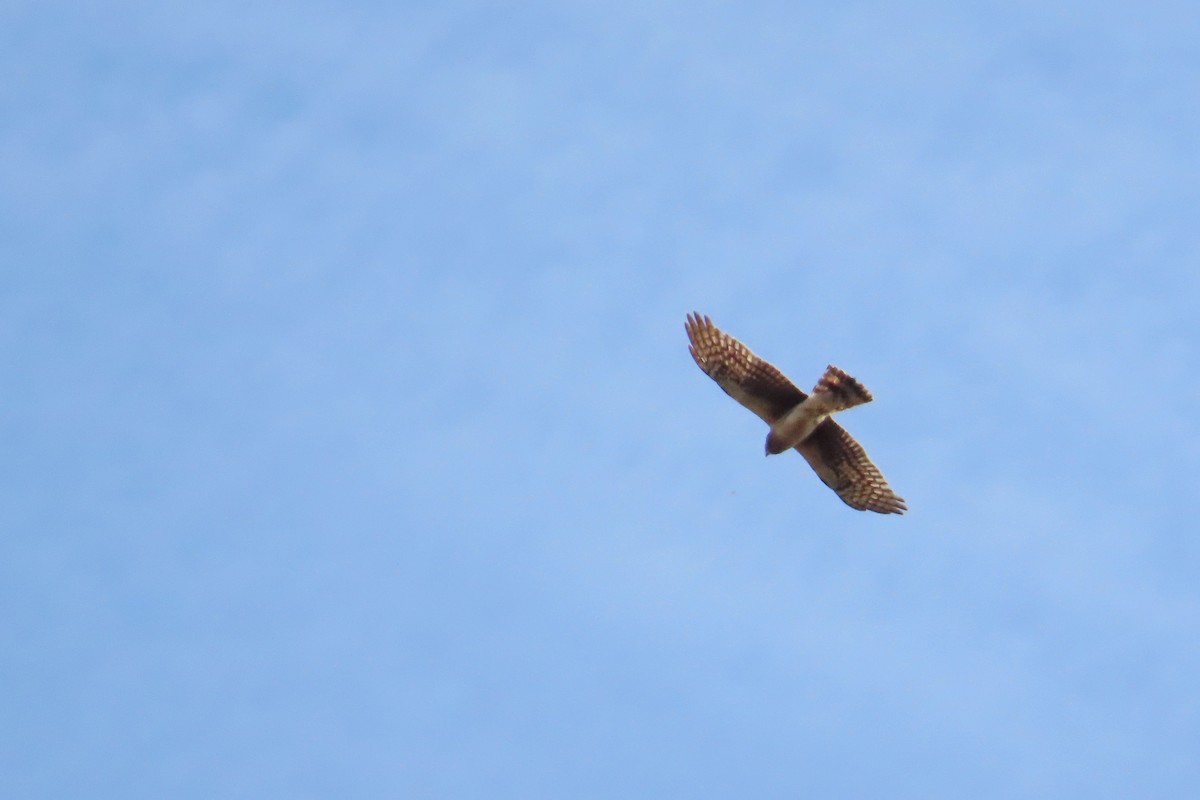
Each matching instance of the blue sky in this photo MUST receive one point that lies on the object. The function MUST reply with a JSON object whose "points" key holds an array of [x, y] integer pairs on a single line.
{"points": [[352, 447]]}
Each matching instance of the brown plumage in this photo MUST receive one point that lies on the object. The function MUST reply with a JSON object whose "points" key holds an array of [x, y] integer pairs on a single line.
{"points": [[797, 420]]}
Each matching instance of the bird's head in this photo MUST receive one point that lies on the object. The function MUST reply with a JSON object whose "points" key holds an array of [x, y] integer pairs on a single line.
{"points": [[775, 445]]}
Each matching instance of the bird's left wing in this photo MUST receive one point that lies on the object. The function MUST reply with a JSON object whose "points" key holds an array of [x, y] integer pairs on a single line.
{"points": [[745, 377], [843, 465]]}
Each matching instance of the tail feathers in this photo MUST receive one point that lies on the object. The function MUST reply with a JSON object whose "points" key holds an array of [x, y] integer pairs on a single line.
{"points": [[840, 391]]}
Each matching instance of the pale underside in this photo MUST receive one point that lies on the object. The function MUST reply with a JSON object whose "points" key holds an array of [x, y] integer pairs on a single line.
{"points": [[798, 424], [797, 419]]}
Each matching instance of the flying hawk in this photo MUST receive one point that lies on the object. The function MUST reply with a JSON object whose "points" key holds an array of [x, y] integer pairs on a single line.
{"points": [[796, 419]]}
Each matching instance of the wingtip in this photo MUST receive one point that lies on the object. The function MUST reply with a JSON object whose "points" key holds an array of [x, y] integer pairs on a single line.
{"points": [[697, 321]]}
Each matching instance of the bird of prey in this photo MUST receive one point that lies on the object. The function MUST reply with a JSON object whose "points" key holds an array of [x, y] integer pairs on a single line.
{"points": [[797, 420]]}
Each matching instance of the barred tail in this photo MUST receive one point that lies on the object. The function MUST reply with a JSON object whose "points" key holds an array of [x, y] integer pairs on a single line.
{"points": [[840, 391]]}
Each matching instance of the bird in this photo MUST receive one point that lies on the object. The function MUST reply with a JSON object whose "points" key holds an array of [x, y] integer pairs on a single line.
{"points": [[797, 420]]}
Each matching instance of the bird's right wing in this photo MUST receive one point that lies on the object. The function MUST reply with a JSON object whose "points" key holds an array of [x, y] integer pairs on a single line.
{"points": [[745, 377], [843, 465]]}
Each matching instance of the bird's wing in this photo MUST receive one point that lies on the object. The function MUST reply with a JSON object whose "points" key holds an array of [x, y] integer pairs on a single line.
{"points": [[843, 465], [744, 376]]}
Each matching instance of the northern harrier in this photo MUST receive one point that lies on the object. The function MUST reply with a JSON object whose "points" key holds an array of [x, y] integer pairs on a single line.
{"points": [[796, 419]]}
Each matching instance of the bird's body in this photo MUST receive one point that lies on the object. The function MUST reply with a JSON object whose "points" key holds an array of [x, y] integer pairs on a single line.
{"points": [[793, 427], [836, 391], [797, 420]]}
